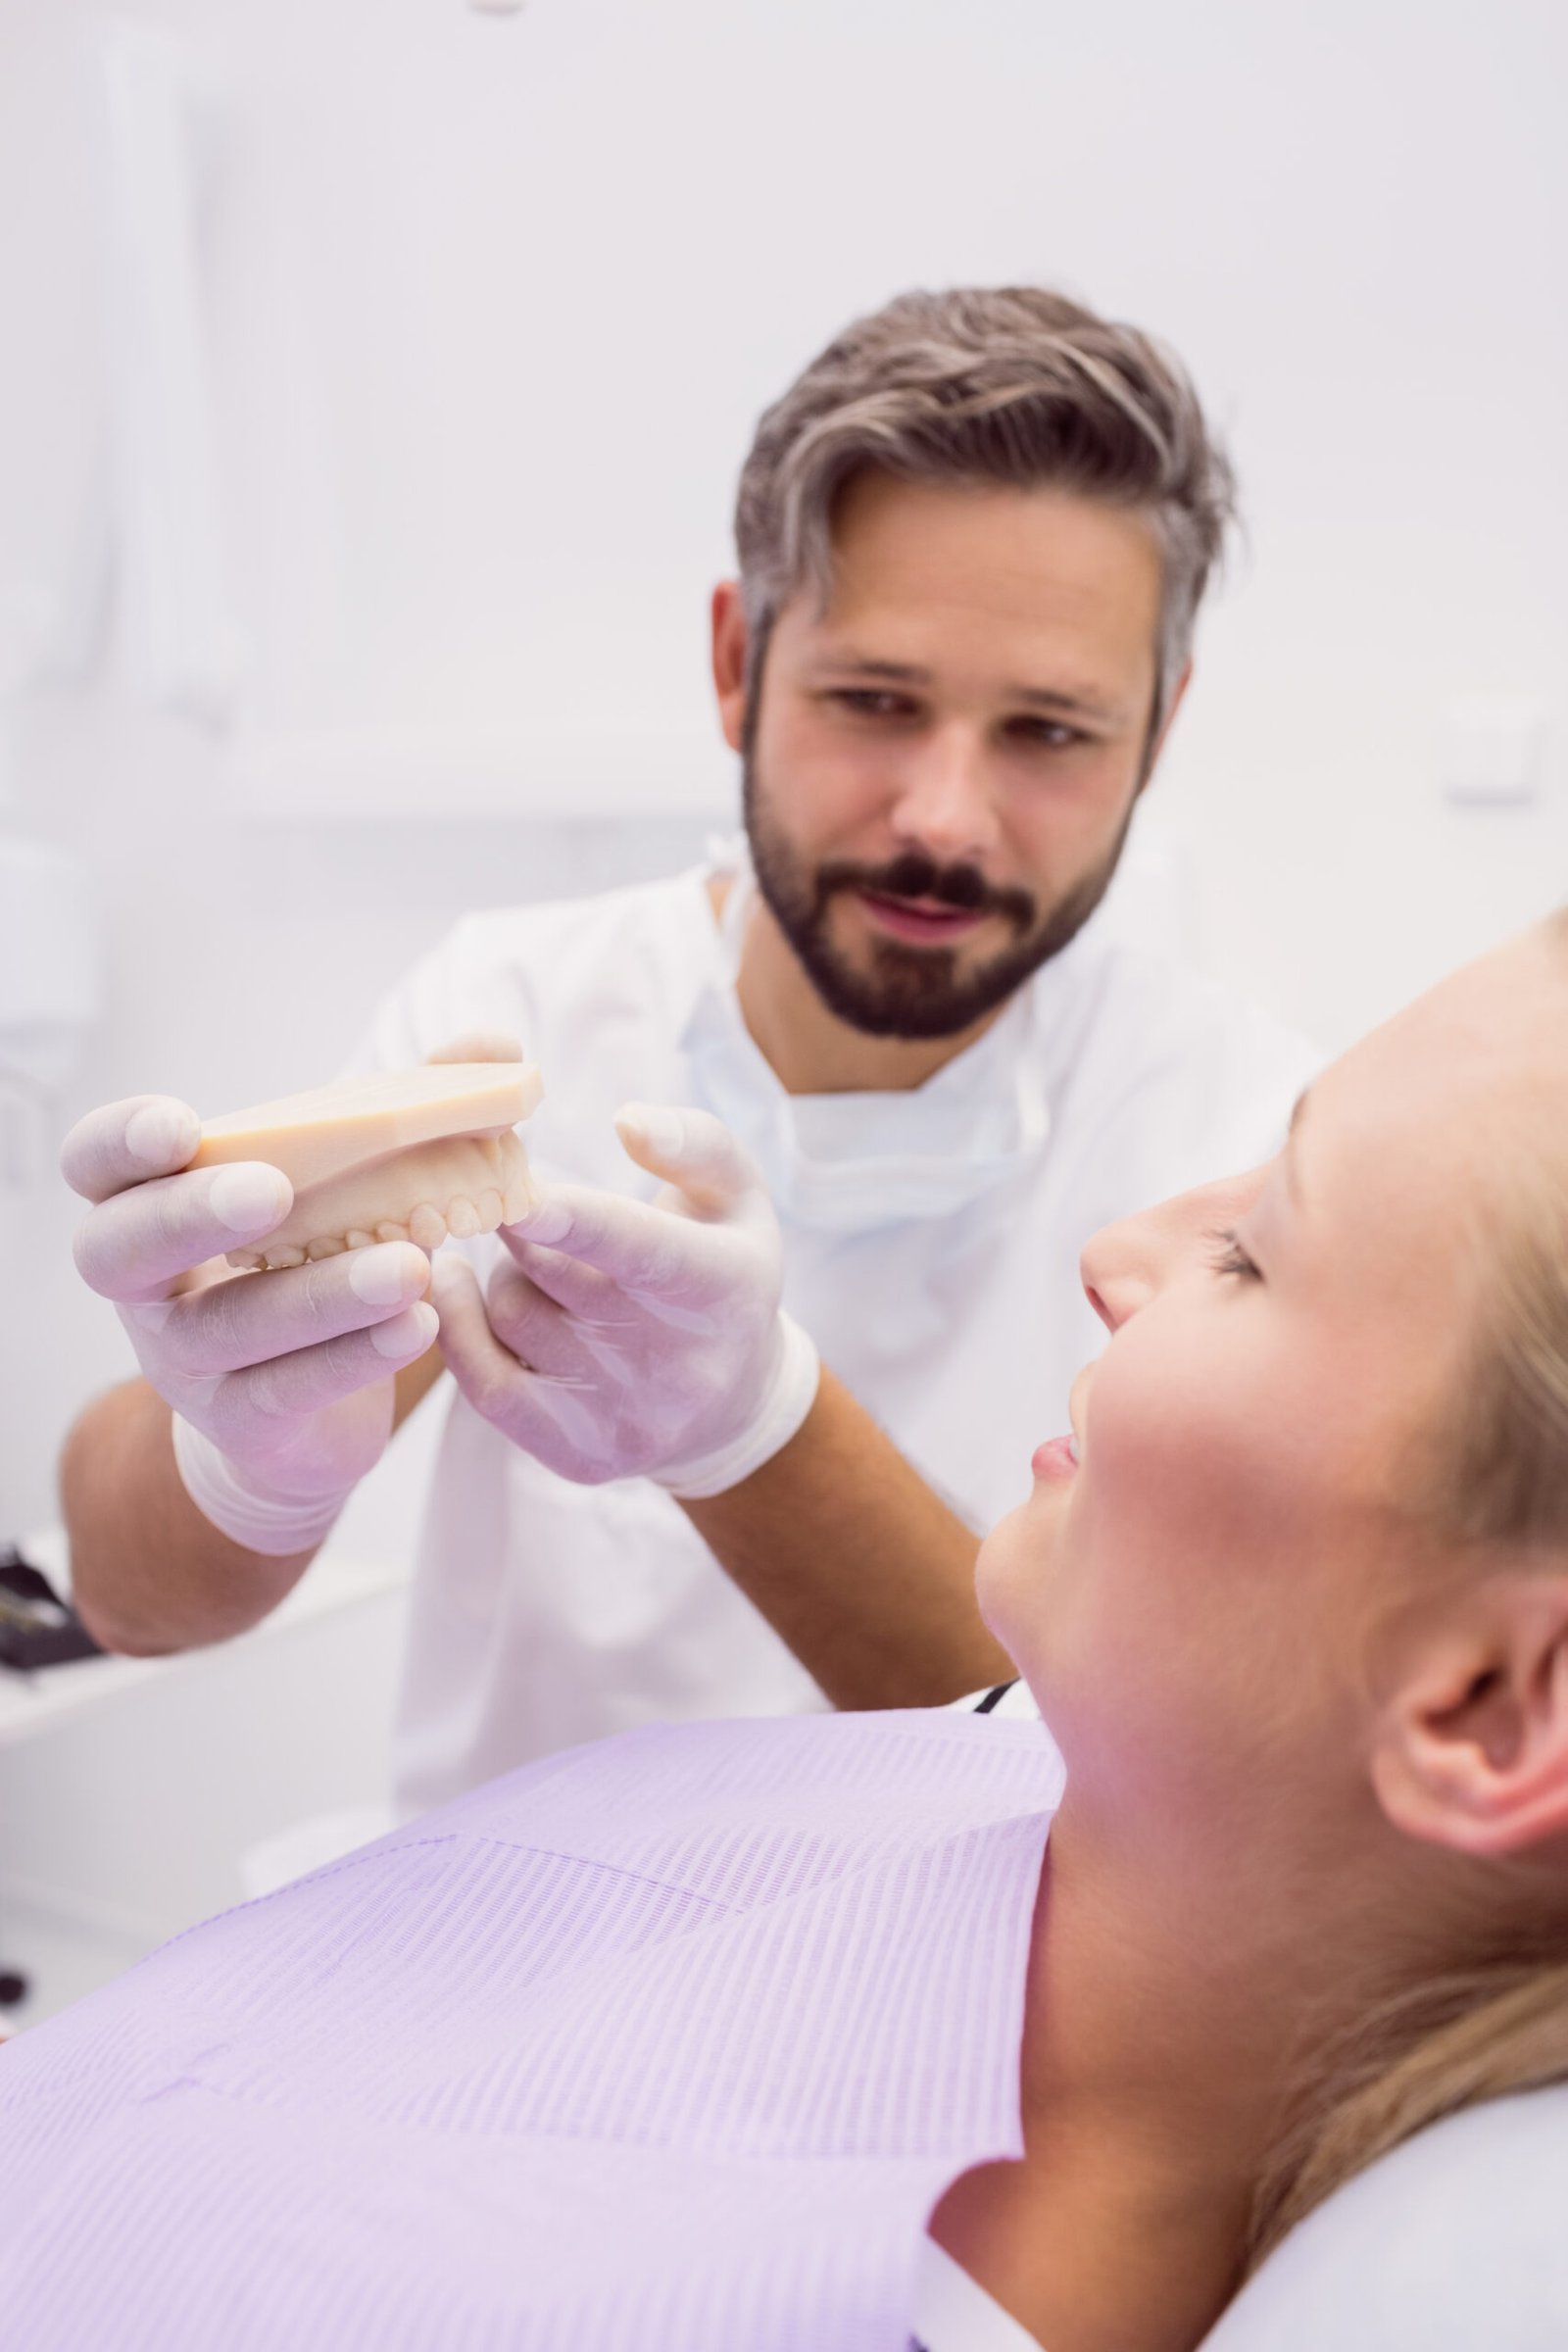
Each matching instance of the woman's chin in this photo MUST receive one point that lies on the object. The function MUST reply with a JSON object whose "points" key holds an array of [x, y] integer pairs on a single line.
{"points": [[1007, 1575]]}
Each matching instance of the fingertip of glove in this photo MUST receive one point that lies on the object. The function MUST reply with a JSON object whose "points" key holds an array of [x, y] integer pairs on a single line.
{"points": [[547, 1222], [391, 1274], [163, 1135], [250, 1198], [653, 1127], [408, 1334]]}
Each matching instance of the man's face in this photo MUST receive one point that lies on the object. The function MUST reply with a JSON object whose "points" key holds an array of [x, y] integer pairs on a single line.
{"points": [[941, 766]]}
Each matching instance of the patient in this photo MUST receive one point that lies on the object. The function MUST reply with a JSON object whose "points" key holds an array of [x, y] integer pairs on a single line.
{"points": [[683, 2039]]}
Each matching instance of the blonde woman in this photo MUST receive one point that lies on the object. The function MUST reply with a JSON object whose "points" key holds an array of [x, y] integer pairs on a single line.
{"points": [[846, 2031]]}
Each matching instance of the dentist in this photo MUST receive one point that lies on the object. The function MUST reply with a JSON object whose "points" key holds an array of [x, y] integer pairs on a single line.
{"points": [[972, 541]]}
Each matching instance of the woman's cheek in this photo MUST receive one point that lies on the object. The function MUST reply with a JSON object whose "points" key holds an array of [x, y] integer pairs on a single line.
{"points": [[1163, 1454]]}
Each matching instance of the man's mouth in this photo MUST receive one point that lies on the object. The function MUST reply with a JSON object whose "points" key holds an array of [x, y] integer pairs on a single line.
{"points": [[920, 921]]}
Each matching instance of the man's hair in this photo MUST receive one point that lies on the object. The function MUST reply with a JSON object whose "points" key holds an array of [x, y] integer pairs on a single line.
{"points": [[1006, 385]]}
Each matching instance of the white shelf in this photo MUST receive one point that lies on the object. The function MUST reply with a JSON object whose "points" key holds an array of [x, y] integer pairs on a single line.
{"points": [[32, 1703], [133, 1791], [432, 775]]}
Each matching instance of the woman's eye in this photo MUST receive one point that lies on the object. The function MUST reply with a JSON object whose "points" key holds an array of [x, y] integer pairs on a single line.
{"points": [[1229, 1258]]}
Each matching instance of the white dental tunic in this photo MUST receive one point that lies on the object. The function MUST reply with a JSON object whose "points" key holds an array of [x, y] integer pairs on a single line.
{"points": [[931, 1249]]}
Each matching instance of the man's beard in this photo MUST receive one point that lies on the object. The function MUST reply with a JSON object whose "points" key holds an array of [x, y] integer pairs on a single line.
{"points": [[909, 992]]}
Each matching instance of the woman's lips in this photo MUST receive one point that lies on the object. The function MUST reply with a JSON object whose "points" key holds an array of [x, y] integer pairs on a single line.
{"points": [[925, 922], [1056, 1462]]}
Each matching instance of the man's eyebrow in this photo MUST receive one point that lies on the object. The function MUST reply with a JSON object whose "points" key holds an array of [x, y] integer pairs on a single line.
{"points": [[896, 673], [1053, 698], [1079, 705]]}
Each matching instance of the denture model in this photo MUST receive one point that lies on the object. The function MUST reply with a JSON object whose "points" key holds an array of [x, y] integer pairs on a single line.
{"points": [[406, 1156]]}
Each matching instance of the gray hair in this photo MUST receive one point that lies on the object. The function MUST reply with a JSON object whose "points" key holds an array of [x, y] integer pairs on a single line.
{"points": [[1008, 384]]}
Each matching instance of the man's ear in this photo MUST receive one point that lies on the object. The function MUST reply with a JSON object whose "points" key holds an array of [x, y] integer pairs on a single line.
{"points": [[1471, 1748], [731, 640]]}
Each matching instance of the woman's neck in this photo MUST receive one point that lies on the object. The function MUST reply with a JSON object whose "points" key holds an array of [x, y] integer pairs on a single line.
{"points": [[1163, 2046]]}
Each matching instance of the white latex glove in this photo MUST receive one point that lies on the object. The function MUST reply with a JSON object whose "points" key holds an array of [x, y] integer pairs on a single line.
{"points": [[282, 1383], [633, 1339]]}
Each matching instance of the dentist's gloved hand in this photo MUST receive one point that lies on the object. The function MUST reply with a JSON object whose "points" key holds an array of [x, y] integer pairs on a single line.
{"points": [[282, 1383], [633, 1338]]}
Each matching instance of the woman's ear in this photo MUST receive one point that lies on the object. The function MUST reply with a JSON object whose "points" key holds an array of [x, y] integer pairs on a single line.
{"points": [[730, 640], [1471, 1748]]}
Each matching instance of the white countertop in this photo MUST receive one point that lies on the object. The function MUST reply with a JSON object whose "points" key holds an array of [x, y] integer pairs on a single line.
{"points": [[31, 1703]]}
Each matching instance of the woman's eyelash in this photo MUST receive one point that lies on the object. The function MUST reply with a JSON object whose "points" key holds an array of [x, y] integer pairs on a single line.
{"points": [[1229, 1258]]}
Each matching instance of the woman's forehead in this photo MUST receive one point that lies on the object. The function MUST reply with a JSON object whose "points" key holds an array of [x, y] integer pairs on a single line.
{"points": [[1408, 1143], [1491, 1039]]}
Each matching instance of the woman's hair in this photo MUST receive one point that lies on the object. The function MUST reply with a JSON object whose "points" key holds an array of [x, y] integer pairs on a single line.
{"points": [[1502, 2025], [1007, 384], [1478, 2033]]}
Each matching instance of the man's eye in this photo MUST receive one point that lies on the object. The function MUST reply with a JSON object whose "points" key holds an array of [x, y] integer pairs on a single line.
{"points": [[873, 702], [1051, 734], [1229, 1258]]}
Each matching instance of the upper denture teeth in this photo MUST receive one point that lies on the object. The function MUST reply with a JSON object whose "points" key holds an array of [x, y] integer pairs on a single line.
{"points": [[463, 1218], [427, 1226]]}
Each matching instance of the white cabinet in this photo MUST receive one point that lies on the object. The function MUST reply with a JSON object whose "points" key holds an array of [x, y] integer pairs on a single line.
{"points": [[130, 1788]]}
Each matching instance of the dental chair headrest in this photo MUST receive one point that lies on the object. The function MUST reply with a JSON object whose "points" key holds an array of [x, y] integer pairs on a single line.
{"points": [[1459, 2241]]}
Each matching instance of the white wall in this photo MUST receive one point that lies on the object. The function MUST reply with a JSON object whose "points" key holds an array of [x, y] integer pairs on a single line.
{"points": [[487, 308]]}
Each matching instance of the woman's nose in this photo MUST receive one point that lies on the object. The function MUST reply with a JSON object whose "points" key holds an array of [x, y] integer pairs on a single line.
{"points": [[1117, 1271], [1128, 1263]]}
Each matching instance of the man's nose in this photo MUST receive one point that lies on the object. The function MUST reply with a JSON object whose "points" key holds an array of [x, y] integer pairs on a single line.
{"points": [[944, 802]]}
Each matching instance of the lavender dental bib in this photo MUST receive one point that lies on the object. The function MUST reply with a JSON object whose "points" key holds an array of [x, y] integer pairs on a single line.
{"points": [[667, 2043]]}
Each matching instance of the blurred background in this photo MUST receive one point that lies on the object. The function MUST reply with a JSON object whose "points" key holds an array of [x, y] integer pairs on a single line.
{"points": [[376, 374]]}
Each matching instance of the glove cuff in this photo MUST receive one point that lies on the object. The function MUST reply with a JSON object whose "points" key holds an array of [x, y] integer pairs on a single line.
{"points": [[786, 1399], [275, 1525]]}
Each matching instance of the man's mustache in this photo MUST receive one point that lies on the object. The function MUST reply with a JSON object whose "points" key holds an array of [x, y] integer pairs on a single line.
{"points": [[910, 876]]}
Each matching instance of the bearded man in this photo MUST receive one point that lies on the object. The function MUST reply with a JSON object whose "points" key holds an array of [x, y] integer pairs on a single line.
{"points": [[972, 541]]}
